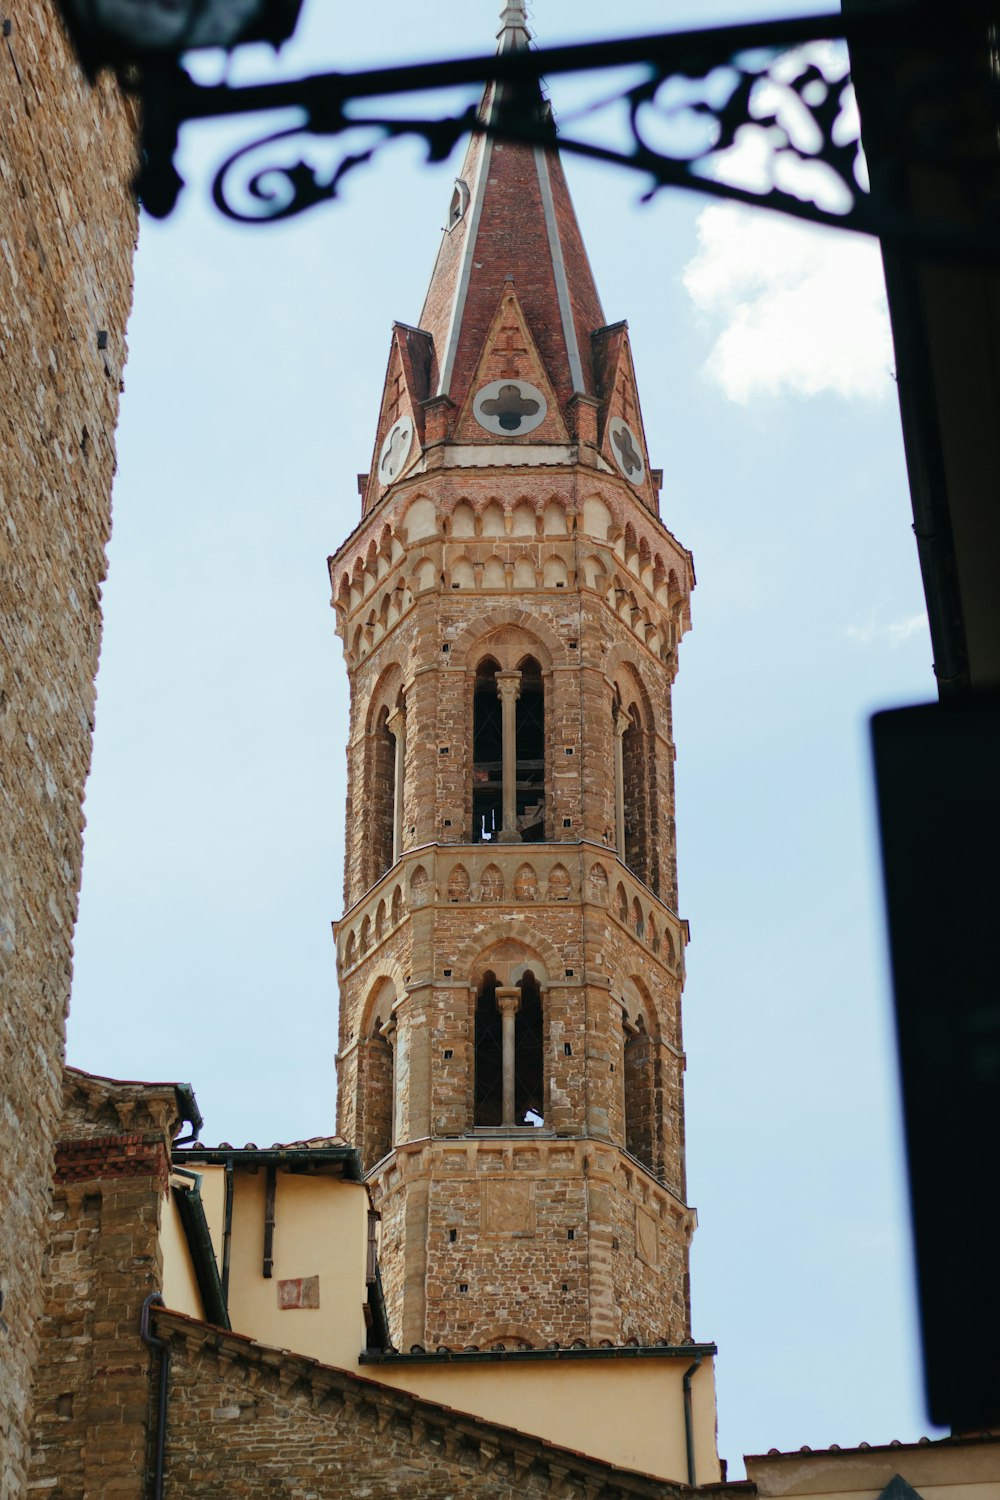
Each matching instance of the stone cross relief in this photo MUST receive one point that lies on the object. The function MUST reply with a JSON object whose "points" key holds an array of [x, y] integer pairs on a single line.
{"points": [[510, 408], [510, 350]]}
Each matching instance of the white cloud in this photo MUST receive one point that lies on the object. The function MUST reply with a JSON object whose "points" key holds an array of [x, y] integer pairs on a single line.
{"points": [[797, 310], [896, 632]]}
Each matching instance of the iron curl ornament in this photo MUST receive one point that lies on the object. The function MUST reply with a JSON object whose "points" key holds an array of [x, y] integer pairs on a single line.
{"points": [[763, 114]]}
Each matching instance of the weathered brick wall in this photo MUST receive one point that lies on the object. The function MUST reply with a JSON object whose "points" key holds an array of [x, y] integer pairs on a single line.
{"points": [[67, 231], [90, 1428], [279, 1426]]}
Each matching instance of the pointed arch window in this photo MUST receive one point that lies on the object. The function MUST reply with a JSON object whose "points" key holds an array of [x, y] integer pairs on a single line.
{"points": [[508, 753], [382, 806], [635, 771], [510, 1074], [487, 754], [388, 757], [530, 753], [634, 792], [640, 1101], [378, 1093]]}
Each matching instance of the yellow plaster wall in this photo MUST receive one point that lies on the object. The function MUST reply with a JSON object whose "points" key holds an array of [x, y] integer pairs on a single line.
{"points": [[213, 1196], [321, 1229], [629, 1412], [180, 1288], [967, 1470]]}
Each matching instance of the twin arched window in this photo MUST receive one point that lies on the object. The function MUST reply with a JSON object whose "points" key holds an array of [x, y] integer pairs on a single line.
{"points": [[508, 753], [510, 1071]]}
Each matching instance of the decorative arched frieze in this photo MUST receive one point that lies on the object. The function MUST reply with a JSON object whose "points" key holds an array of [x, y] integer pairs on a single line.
{"points": [[597, 882], [420, 519]]}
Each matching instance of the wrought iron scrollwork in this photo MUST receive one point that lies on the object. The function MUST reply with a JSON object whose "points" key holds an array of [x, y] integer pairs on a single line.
{"points": [[250, 190], [761, 114]]}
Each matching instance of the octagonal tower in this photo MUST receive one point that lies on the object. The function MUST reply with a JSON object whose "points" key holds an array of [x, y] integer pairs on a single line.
{"points": [[510, 958]]}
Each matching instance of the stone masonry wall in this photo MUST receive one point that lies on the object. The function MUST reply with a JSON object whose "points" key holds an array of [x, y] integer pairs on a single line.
{"points": [[282, 1428], [90, 1429], [534, 1241], [67, 233]]}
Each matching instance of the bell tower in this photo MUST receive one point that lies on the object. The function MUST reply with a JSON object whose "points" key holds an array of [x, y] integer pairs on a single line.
{"points": [[510, 957]]}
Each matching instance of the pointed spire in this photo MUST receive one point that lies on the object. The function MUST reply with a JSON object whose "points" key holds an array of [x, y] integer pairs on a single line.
{"points": [[512, 217], [513, 31]]}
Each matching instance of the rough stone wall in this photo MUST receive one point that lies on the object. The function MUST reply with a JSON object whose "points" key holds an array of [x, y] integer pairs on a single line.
{"points": [[90, 1425], [67, 232], [280, 1426], [531, 1240]]}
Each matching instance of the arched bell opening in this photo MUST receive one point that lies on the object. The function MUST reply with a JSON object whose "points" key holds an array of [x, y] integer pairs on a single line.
{"points": [[487, 754], [640, 1093], [510, 1051], [635, 776], [378, 1086], [530, 754], [489, 1054], [383, 797]]}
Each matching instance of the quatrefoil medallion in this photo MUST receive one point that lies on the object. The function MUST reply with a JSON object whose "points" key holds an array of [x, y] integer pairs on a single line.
{"points": [[509, 408], [627, 451]]}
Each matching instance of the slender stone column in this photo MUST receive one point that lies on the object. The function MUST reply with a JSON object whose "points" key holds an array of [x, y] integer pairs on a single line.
{"points": [[396, 725], [508, 1004], [509, 690], [622, 723]]}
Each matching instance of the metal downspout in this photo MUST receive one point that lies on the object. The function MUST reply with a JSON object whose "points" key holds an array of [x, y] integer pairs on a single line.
{"points": [[155, 1300], [227, 1230], [689, 1375]]}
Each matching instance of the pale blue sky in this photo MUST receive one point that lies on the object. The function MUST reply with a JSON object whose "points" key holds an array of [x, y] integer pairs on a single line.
{"points": [[215, 807]]}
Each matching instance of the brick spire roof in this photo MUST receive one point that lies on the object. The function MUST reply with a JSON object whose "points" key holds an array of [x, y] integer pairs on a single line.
{"points": [[512, 219]]}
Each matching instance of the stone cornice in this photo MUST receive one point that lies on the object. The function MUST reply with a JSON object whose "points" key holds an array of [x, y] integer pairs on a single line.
{"points": [[566, 1156], [94, 1105]]}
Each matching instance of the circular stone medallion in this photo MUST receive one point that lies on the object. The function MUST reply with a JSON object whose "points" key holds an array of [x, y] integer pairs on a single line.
{"points": [[627, 450], [395, 450], [509, 408]]}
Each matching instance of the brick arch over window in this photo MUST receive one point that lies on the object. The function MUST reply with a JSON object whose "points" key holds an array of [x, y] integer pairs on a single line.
{"points": [[508, 633], [522, 945]]}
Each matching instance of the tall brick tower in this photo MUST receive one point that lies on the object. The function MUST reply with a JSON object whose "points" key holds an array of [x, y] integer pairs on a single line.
{"points": [[510, 958]]}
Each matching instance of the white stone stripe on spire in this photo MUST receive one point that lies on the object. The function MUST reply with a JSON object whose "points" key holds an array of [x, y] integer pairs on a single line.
{"points": [[559, 271], [468, 253]]}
